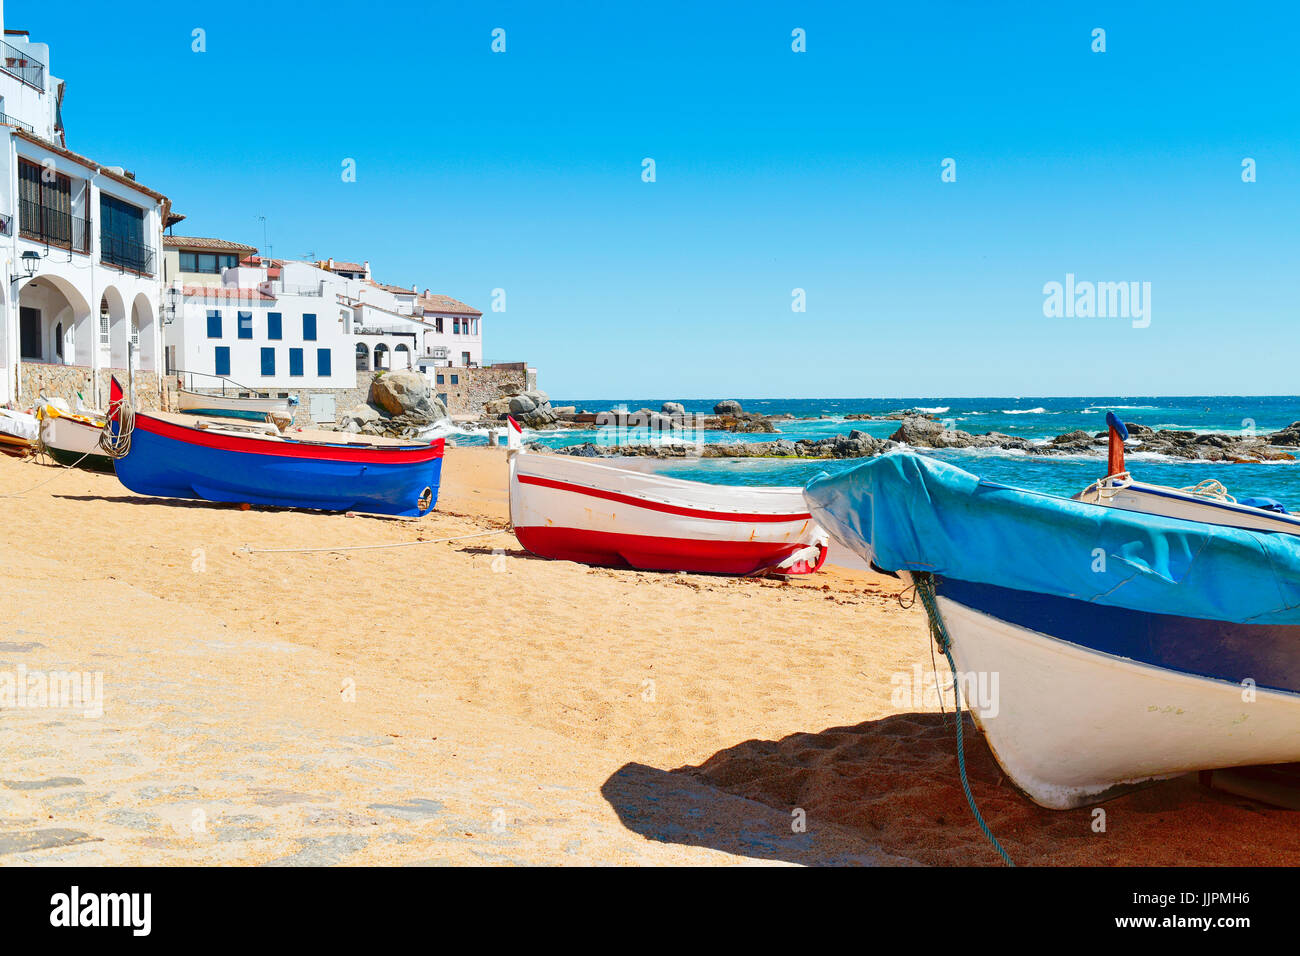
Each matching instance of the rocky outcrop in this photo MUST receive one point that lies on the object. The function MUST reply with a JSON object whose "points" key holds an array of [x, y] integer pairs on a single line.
{"points": [[918, 431], [401, 405], [673, 409], [729, 407]]}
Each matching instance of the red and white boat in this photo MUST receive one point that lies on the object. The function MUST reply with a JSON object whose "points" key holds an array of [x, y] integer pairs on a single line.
{"points": [[575, 509]]}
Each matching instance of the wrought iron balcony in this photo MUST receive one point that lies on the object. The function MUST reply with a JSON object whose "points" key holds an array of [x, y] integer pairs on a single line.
{"points": [[6, 120], [126, 253], [53, 226], [23, 65]]}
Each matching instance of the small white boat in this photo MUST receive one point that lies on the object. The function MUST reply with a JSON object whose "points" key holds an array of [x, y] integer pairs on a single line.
{"points": [[72, 438], [574, 509], [255, 407], [1207, 501], [18, 432]]}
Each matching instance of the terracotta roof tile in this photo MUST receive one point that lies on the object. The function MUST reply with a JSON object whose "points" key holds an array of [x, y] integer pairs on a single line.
{"points": [[445, 304], [203, 242]]}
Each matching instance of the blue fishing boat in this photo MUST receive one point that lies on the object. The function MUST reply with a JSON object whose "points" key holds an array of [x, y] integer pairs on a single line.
{"points": [[1098, 647], [175, 456]]}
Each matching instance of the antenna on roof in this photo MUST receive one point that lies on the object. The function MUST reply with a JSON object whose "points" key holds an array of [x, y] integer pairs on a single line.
{"points": [[266, 245]]}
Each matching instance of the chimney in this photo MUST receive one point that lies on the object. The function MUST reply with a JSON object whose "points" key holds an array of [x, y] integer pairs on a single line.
{"points": [[415, 289], [366, 265], [330, 261]]}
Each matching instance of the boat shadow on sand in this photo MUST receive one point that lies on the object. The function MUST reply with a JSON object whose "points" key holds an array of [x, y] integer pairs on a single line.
{"points": [[203, 503], [887, 791]]}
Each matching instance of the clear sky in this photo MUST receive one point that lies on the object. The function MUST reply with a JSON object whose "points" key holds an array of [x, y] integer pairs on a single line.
{"points": [[774, 170]]}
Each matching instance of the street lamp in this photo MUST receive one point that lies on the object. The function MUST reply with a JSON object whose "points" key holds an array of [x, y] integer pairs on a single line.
{"points": [[173, 300], [31, 262]]}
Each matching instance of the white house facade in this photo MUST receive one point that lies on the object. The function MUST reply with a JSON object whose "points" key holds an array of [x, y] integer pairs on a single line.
{"points": [[80, 292]]}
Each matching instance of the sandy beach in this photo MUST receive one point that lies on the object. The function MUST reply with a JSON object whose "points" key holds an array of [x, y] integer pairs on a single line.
{"points": [[463, 702]]}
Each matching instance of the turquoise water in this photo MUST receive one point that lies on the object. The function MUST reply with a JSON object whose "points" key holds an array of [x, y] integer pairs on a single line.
{"points": [[1030, 418]]}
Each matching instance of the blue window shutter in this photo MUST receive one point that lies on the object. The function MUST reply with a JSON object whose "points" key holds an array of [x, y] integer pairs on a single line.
{"points": [[273, 330], [323, 363], [295, 361], [308, 327], [245, 325], [223, 360], [268, 361], [214, 323]]}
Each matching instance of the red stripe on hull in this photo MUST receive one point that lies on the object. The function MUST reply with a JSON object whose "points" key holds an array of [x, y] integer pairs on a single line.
{"points": [[372, 454], [651, 553], [657, 505]]}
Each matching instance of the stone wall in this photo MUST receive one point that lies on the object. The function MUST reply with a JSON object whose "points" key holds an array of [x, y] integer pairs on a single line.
{"points": [[474, 387], [344, 399], [65, 381]]}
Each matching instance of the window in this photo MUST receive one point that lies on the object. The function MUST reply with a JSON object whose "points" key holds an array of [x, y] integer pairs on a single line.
{"points": [[207, 262], [295, 362], [189, 262], [437, 323], [323, 363], [29, 333], [273, 326], [223, 360], [227, 262], [121, 235], [308, 327], [245, 325], [45, 207], [440, 380], [464, 359], [455, 326], [268, 361], [455, 380], [214, 323]]}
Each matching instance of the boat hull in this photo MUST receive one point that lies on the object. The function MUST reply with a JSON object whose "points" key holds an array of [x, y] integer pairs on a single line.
{"points": [[177, 461], [1073, 724], [1174, 503], [229, 406], [72, 442], [594, 513]]}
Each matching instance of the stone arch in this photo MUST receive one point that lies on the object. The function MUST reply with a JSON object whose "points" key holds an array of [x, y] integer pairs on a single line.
{"points": [[145, 332], [59, 303], [112, 313]]}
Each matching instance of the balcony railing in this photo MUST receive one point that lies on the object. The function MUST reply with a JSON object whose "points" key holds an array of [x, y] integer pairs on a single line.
{"points": [[126, 253], [7, 120], [23, 65], [53, 226]]}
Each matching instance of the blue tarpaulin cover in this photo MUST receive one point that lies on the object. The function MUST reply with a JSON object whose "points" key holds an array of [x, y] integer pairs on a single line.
{"points": [[911, 512]]}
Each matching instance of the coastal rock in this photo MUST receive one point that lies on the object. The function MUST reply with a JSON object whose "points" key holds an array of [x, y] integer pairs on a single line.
{"points": [[497, 406], [673, 409], [521, 405], [357, 417], [729, 407], [406, 393]]}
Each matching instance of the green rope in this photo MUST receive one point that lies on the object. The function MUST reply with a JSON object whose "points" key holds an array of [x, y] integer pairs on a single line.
{"points": [[925, 588]]}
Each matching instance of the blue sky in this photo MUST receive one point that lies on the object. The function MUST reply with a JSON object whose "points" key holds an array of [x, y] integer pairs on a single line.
{"points": [[775, 170]]}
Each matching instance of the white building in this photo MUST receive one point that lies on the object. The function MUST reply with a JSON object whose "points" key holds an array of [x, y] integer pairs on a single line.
{"points": [[276, 327], [79, 248]]}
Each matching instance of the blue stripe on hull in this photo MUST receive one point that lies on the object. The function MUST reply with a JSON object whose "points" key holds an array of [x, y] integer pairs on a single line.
{"points": [[1267, 654], [161, 466]]}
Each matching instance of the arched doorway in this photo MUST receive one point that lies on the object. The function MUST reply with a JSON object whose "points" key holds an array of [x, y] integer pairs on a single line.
{"points": [[401, 356], [144, 333], [363, 357], [381, 356], [114, 333]]}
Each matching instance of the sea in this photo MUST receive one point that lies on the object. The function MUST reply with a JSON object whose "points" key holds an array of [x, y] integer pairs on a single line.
{"points": [[1035, 419]]}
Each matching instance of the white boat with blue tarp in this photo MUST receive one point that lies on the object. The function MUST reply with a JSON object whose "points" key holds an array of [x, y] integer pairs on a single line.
{"points": [[1124, 647]]}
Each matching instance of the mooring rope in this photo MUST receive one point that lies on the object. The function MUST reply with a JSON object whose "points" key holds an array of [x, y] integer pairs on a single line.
{"points": [[62, 469], [119, 445], [925, 588], [371, 547]]}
